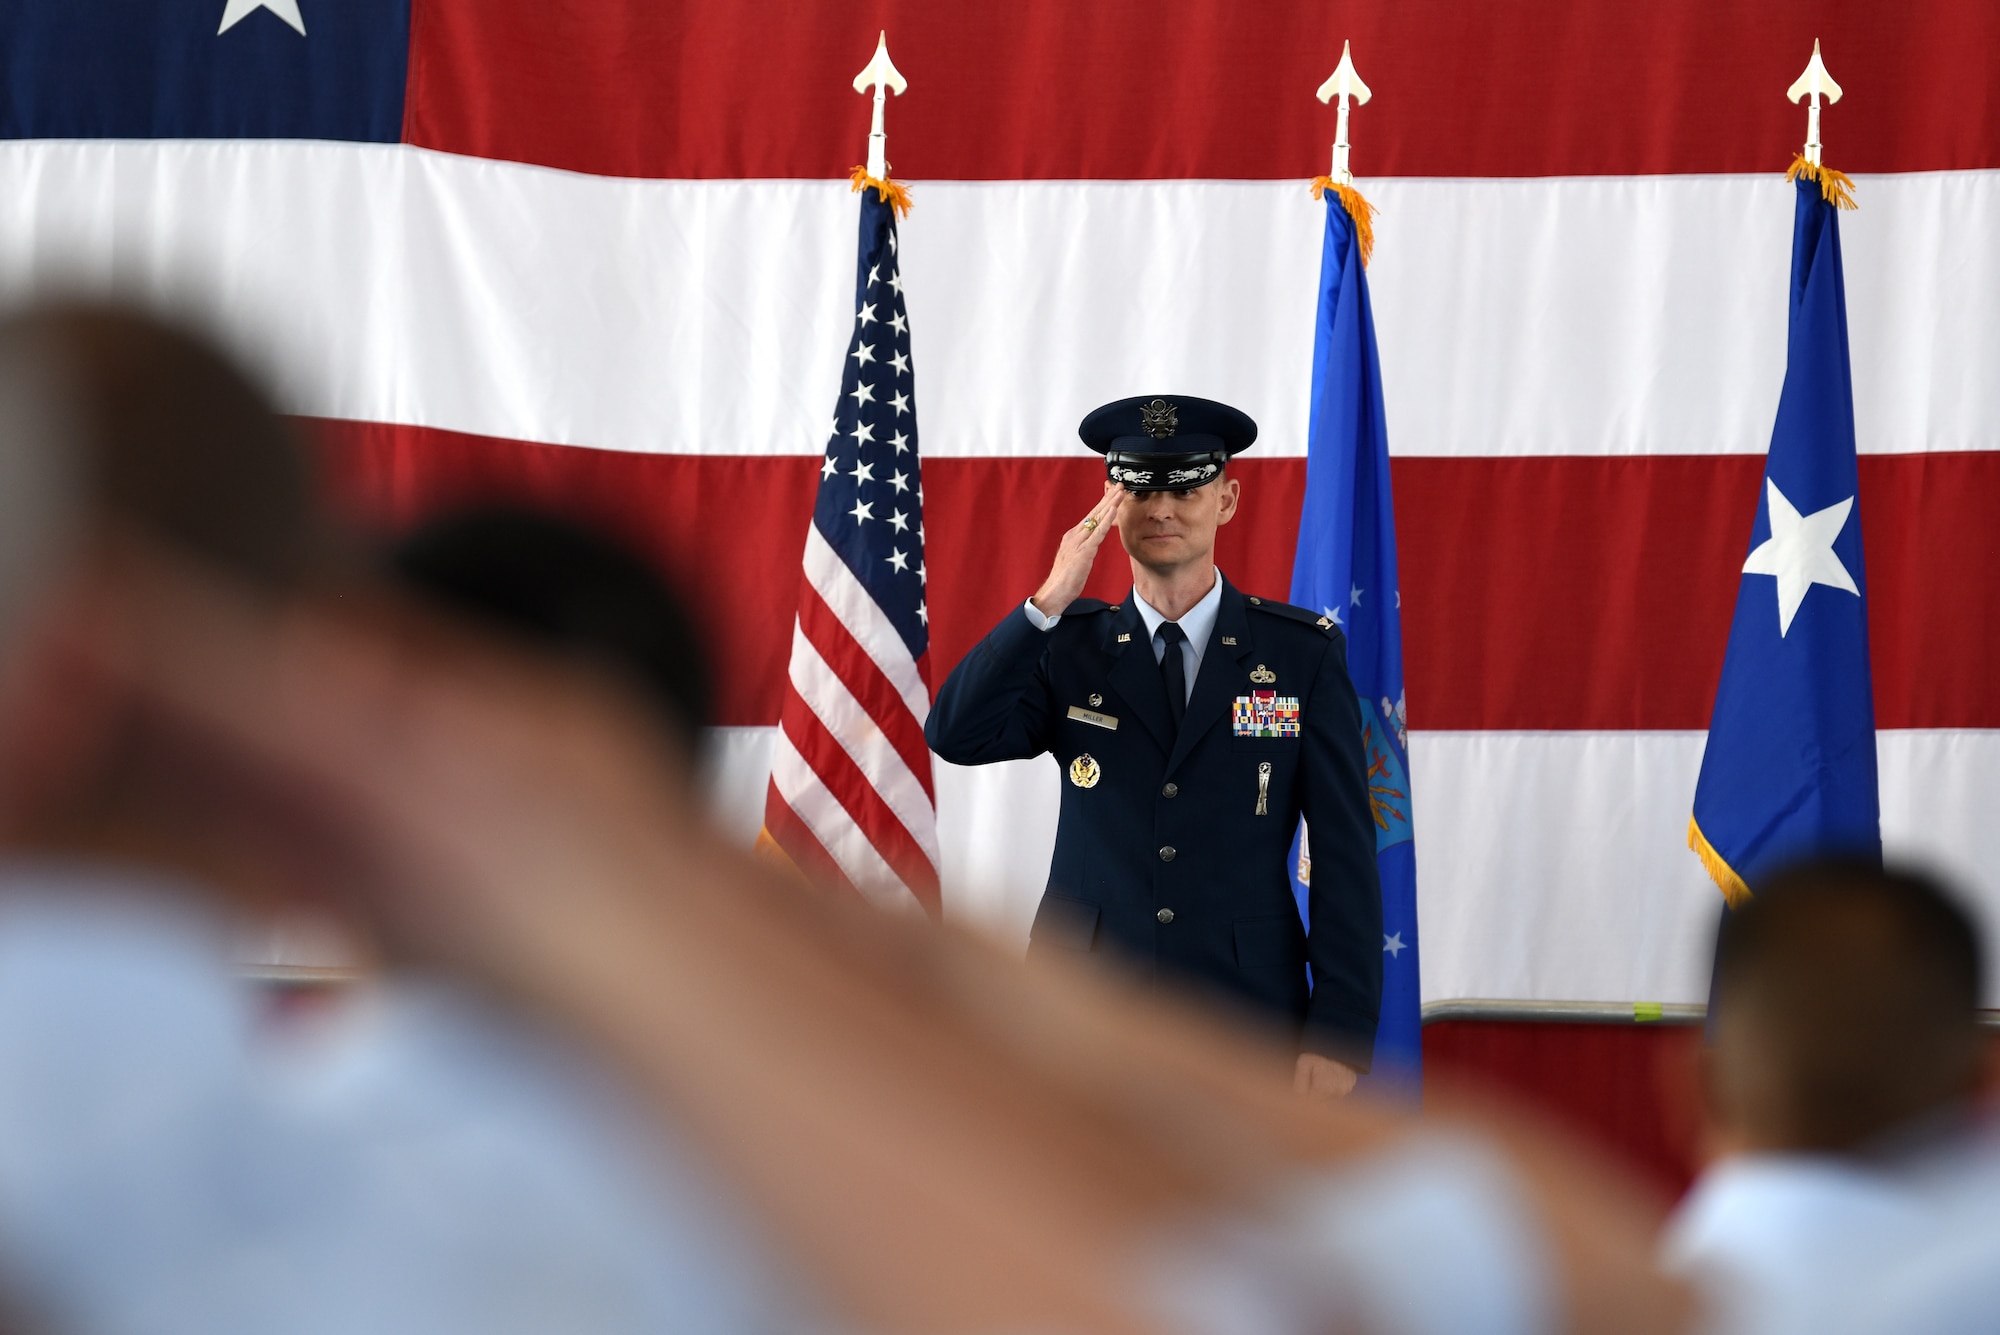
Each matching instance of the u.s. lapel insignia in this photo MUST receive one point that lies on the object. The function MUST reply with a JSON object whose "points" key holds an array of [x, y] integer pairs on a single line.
{"points": [[1229, 640], [1125, 638], [1083, 771], [1263, 676]]}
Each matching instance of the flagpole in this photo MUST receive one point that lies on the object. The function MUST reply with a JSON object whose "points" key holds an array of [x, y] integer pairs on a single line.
{"points": [[1814, 84], [881, 75], [1346, 85], [1810, 87]]}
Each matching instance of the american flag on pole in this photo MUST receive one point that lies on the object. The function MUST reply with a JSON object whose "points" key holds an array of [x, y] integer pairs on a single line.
{"points": [[850, 800]]}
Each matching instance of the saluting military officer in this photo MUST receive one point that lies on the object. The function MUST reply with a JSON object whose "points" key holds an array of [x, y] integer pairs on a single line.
{"points": [[1194, 725]]}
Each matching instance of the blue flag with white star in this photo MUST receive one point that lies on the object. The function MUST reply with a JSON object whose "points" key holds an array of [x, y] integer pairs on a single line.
{"points": [[1345, 567], [1790, 764]]}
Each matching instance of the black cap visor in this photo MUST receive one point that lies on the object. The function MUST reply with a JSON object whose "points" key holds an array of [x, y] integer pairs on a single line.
{"points": [[1152, 471]]}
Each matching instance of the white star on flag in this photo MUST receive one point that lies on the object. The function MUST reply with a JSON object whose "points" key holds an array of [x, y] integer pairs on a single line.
{"points": [[898, 323], [900, 522], [1392, 946], [900, 481], [902, 443], [863, 511], [899, 363], [235, 11], [1331, 614], [900, 402], [1800, 552], [863, 354], [1356, 597], [829, 468], [899, 560], [863, 472], [866, 314], [863, 392], [862, 433]]}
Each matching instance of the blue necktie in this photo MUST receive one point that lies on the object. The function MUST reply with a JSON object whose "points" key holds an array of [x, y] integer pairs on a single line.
{"points": [[1173, 670]]}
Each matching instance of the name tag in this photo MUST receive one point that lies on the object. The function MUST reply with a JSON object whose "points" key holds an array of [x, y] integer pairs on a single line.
{"points": [[1092, 717]]}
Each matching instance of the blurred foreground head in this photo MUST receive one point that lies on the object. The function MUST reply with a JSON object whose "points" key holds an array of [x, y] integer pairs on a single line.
{"points": [[125, 444], [110, 419], [1848, 1001], [561, 589]]}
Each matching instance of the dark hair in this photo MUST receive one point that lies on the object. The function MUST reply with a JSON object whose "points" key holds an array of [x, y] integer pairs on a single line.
{"points": [[561, 587], [172, 437], [1863, 984]]}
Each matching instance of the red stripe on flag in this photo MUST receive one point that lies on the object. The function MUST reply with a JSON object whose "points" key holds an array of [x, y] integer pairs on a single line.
{"points": [[825, 756], [801, 845], [1538, 593], [728, 529], [1135, 89], [865, 682]]}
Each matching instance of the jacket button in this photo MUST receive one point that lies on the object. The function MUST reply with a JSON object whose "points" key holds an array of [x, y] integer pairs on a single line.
{"points": [[1165, 915], [1167, 853], [1171, 790]]}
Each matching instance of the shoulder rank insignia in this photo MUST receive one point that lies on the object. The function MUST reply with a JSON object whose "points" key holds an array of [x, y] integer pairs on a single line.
{"points": [[1263, 676], [1083, 771], [1325, 623]]}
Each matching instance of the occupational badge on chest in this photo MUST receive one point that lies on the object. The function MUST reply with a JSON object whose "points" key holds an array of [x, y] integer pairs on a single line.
{"points": [[1266, 714], [1083, 771]]}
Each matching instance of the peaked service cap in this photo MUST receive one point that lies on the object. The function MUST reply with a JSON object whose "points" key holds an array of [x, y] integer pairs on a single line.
{"points": [[1159, 442]]}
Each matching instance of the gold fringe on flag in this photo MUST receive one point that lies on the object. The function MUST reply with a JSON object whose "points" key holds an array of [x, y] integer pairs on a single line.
{"points": [[894, 193], [1359, 209], [1734, 891], [1836, 188]]}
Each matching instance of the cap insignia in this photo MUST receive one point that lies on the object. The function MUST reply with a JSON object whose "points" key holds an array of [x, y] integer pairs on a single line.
{"points": [[1158, 419]]}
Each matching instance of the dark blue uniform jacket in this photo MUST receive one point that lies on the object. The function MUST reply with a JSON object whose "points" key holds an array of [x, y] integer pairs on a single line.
{"points": [[1166, 859]]}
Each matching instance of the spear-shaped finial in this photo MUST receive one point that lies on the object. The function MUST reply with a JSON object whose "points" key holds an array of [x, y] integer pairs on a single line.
{"points": [[882, 76], [1344, 84], [1815, 83]]}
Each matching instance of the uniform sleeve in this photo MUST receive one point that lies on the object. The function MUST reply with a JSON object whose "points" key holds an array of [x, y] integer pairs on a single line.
{"points": [[995, 704], [1345, 895]]}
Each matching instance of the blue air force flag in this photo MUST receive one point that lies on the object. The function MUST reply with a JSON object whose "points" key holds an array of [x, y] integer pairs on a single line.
{"points": [[1345, 567], [1790, 764]]}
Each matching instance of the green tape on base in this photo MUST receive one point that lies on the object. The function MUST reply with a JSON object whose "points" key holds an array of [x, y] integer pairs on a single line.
{"points": [[1646, 1011]]}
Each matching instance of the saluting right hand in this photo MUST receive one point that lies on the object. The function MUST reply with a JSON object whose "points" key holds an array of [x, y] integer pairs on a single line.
{"points": [[1076, 554]]}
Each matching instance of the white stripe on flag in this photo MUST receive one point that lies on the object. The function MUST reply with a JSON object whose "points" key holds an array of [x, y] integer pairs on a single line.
{"points": [[864, 741], [1592, 315], [843, 839], [857, 610]]}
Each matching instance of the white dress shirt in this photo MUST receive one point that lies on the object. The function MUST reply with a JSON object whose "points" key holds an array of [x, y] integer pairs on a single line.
{"points": [[1775, 1241], [175, 1161], [1197, 624]]}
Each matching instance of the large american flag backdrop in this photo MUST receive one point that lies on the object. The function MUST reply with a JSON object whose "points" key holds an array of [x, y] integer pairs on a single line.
{"points": [[602, 254]]}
